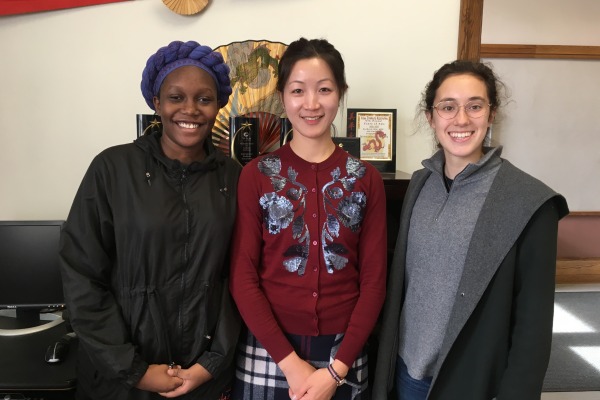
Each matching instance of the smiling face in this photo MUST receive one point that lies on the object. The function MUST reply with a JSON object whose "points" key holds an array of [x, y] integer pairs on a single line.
{"points": [[187, 105], [461, 137], [311, 98]]}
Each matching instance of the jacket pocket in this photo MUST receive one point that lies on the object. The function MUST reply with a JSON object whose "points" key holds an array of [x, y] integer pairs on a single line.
{"points": [[144, 317]]}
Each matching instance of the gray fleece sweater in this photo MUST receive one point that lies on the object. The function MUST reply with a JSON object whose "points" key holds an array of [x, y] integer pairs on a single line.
{"points": [[441, 227]]}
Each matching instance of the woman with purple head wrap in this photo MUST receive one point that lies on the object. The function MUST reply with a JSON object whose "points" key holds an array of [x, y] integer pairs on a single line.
{"points": [[144, 249], [178, 54], [182, 65]]}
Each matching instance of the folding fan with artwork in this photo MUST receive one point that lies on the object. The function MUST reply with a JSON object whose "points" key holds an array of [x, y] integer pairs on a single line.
{"points": [[253, 76]]}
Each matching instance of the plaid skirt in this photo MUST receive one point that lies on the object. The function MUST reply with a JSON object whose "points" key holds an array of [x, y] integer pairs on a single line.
{"points": [[258, 377]]}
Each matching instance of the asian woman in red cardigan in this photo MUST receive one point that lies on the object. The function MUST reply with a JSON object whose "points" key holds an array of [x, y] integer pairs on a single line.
{"points": [[308, 264]]}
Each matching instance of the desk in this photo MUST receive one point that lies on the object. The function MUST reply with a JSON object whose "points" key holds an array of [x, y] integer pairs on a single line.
{"points": [[395, 185], [23, 372]]}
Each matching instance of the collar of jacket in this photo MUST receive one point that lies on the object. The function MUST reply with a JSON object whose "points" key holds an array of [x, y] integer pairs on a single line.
{"points": [[150, 144]]}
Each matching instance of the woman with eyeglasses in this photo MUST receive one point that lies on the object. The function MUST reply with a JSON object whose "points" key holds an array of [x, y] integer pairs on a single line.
{"points": [[469, 305]]}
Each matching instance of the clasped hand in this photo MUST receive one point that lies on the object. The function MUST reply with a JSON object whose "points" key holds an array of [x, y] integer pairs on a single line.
{"points": [[318, 386], [306, 382], [173, 382]]}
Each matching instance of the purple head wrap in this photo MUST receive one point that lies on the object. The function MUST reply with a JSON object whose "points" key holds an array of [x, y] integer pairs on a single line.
{"points": [[178, 54]]}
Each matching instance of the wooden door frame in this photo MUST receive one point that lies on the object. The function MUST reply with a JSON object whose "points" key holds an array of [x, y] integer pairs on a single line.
{"points": [[471, 48], [578, 270]]}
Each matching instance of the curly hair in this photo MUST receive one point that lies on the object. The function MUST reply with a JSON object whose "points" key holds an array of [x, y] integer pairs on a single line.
{"points": [[178, 54], [481, 71]]}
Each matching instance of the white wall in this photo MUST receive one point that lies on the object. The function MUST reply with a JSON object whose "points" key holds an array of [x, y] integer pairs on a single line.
{"points": [[69, 79], [558, 22], [550, 127]]}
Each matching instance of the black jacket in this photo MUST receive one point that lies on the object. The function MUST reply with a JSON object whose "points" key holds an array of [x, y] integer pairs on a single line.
{"points": [[497, 342], [144, 260]]}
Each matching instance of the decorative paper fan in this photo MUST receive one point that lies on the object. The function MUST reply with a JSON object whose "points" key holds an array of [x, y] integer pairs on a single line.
{"points": [[186, 7], [253, 76]]}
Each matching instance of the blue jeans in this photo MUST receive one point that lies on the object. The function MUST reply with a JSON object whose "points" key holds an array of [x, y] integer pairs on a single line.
{"points": [[408, 388]]}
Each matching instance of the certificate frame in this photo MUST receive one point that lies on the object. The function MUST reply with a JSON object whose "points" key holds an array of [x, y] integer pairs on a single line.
{"points": [[376, 129]]}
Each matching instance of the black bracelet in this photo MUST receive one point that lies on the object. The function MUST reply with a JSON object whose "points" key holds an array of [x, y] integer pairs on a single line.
{"points": [[338, 381]]}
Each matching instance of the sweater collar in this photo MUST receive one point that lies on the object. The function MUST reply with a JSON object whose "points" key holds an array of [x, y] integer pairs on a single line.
{"points": [[490, 160]]}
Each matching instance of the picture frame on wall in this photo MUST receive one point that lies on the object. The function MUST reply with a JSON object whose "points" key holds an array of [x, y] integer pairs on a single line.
{"points": [[376, 129]]}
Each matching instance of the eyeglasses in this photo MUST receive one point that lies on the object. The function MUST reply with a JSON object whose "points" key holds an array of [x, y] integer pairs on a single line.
{"points": [[448, 109]]}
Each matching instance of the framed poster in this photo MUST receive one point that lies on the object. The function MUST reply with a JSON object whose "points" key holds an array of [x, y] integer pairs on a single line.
{"points": [[376, 129]]}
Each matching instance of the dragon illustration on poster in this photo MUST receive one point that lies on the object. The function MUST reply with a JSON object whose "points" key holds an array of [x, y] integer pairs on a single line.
{"points": [[376, 143]]}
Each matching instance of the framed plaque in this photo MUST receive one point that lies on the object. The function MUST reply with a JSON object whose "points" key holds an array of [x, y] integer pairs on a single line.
{"points": [[286, 132], [376, 129], [244, 138], [147, 124]]}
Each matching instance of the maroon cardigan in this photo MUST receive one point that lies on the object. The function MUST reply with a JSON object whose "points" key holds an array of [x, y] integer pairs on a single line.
{"points": [[309, 250]]}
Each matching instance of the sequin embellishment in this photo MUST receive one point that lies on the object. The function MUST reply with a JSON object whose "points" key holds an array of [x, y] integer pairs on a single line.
{"points": [[341, 204]]}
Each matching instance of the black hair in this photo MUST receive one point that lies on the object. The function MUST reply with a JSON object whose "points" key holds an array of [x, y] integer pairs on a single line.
{"points": [[303, 49]]}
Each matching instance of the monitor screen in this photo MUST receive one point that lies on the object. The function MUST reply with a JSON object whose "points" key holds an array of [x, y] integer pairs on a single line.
{"points": [[30, 275]]}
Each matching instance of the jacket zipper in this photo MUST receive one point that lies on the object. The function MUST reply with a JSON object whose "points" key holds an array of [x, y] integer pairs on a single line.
{"points": [[182, 182]]}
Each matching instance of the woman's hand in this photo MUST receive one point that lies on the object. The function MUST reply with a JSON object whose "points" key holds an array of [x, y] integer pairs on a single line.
{"points": [[157, 380], [192, 377], [319, 386], [296, 372]]}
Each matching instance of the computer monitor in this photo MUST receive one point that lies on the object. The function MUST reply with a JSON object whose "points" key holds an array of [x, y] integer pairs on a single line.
{"points": [[30, 281]]}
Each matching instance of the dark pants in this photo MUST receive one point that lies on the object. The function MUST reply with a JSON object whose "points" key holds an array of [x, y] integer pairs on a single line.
{"points": [[407, 387]]}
